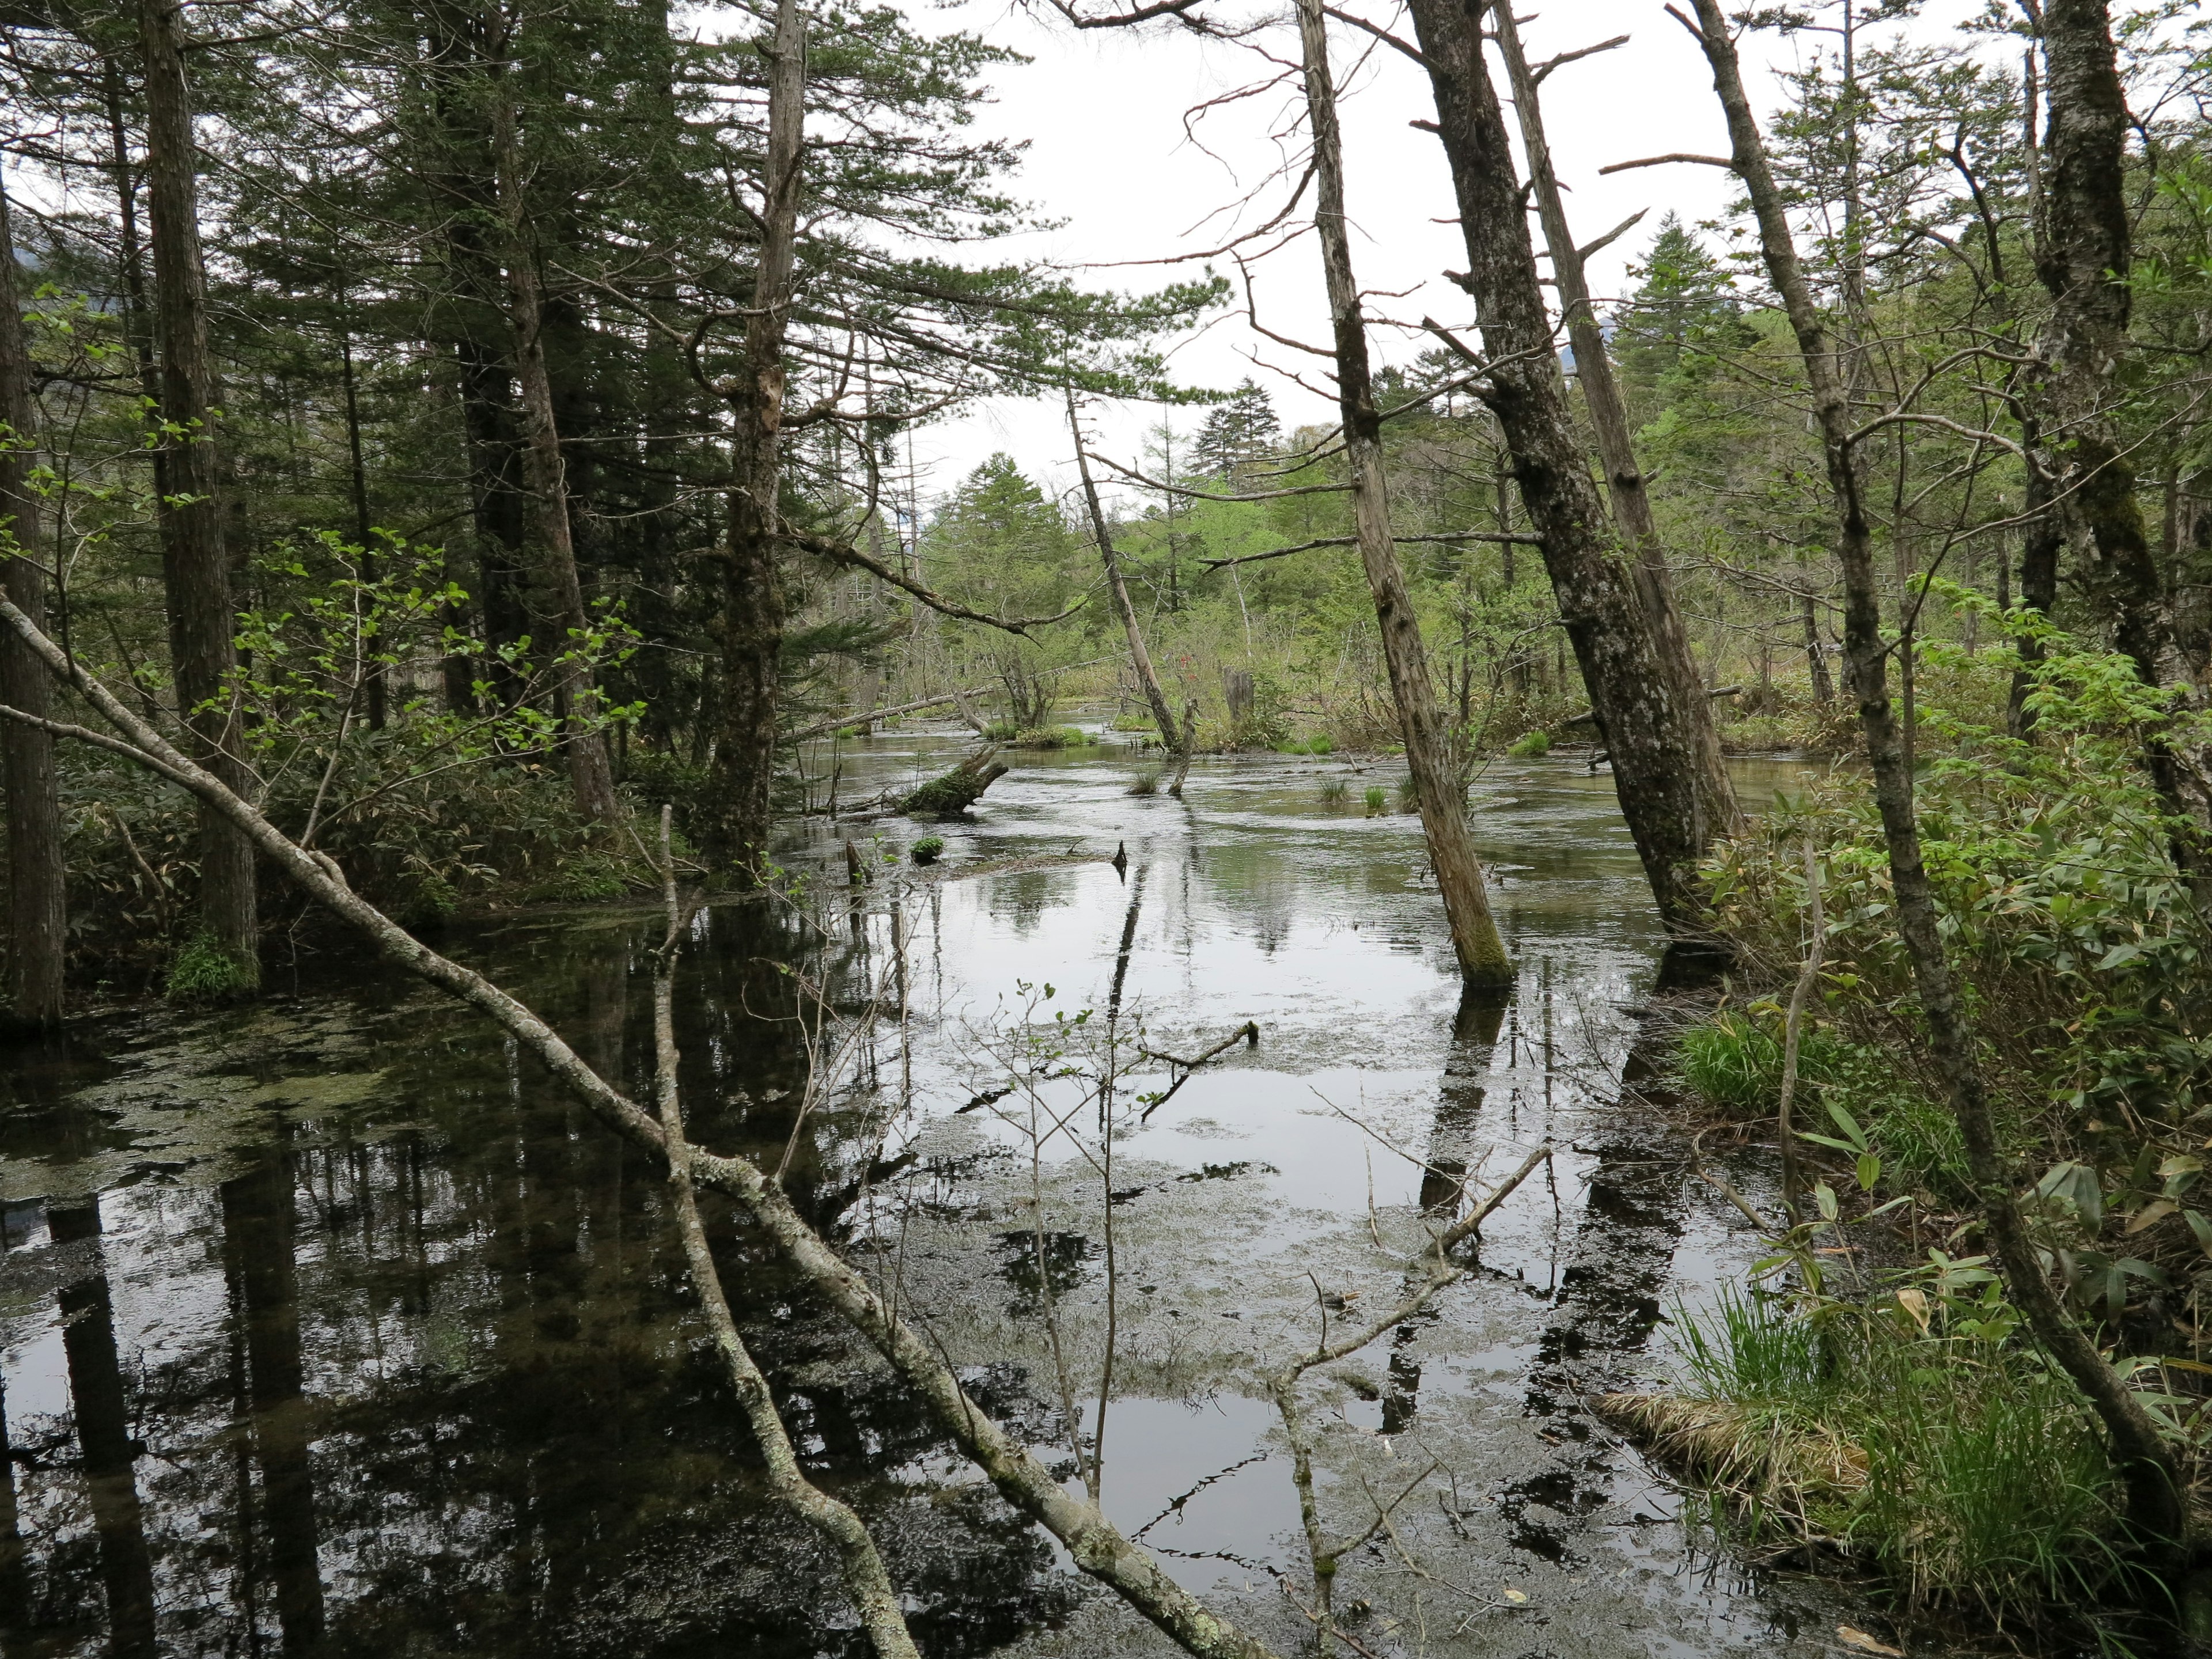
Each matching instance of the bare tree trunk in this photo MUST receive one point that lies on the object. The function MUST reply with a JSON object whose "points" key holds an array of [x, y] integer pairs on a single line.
{"points": [[2156, 1506], [591, 774], [194, 570], [748, 626], [1717, 813], [2082, 257], [1436, 777], [38, 903], [1652, 737], [1179, 738]]}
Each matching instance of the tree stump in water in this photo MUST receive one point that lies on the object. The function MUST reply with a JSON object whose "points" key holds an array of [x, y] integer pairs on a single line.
{"points": [[953, 793]]}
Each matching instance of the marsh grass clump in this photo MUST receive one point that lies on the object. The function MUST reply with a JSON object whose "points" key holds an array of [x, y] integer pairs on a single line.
{"points": [[1962, 1468], [1735, 1060], [1320, 744], [202, 971], [926, 851], [1144, 783], [1375, 799], [1336, 792], [1530, 745], [1409, 794]]}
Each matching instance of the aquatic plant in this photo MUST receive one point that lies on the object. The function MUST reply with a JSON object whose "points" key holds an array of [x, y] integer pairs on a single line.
{"points": [[1319, 744], [1336, 792], [1530, 745], [1144, 783], [1409, 795], [1375, 798], [926, 851]]}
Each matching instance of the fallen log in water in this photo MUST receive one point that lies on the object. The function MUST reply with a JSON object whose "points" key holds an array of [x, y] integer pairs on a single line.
{"points": [[953, 793]]}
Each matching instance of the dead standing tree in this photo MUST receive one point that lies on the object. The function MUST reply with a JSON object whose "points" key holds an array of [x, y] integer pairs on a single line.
{"points": [[1651, 730], [1609, 415], [749, 616], [1437, 779], [1178, 738], [2157, 1506]]}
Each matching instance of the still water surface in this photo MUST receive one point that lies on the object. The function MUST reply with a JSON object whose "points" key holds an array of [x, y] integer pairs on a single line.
{"points": [[329, 1325]]}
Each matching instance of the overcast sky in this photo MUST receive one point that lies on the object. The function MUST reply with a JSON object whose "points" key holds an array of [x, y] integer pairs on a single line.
{"points": [[1102, 113]]}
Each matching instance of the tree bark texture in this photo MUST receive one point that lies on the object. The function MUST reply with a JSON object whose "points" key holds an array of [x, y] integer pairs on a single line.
{"points": [[749, 623], [2083, 255], [195, 567], [38, 905], [591, 773], [1179, 738], [1650, 733], [1095, 1544], [2155, 1502], [1436, 780], [1717, 813]]}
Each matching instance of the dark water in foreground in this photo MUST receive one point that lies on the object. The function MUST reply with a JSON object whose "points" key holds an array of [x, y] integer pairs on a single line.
{"points": [[328, 1325]]}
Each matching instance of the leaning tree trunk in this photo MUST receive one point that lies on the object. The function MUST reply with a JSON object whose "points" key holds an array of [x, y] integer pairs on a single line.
{"points": [[194, 570], [38, 912], [1179, 738], [591, 774], [1443, 795], [749, 625], [1647, 724], [2156, 1505], [1717, 813]]}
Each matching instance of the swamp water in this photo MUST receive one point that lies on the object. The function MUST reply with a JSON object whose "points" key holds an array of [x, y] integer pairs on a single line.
{"points": [[329, 1324]]}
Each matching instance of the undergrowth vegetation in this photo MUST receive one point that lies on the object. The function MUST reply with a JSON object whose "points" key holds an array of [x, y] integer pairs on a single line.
{"points": [[1904, 1417]]}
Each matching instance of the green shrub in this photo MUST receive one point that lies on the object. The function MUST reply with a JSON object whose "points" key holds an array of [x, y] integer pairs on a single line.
{"points": [[1530, 745], [926, 851], [1291, 747], [203, 971], [583, 878]]}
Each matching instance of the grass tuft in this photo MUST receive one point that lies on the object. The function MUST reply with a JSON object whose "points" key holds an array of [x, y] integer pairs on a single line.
{"points": [[203, 971], [1530, 745], [1965, 1470], [1144, 783]]}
